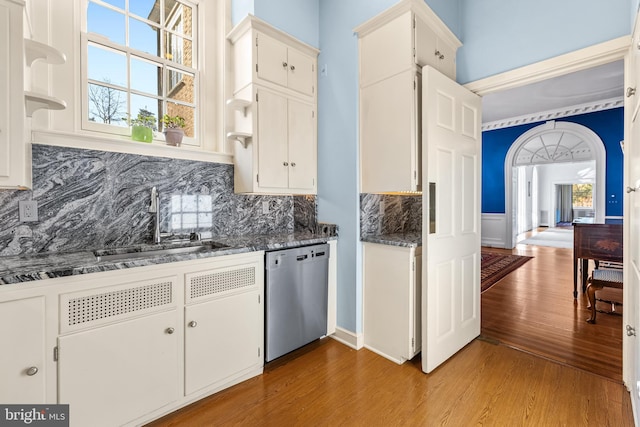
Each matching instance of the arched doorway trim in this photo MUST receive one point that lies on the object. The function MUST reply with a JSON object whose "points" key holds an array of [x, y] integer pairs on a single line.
{"points": [[590, 138]]}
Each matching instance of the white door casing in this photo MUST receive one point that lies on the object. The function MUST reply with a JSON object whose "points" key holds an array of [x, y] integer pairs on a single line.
{"points": [[631, 230], [451, 141]]}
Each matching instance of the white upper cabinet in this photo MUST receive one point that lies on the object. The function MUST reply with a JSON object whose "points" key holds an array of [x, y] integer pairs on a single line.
{"points": [[393, 48], [15, 153], [274, 133], [284, 65]]}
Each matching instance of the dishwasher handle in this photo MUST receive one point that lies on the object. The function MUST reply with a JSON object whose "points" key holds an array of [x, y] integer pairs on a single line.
{"points": [[302, 257]]}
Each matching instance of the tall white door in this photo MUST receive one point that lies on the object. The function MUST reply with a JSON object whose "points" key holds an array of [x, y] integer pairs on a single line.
{"points": [[631, 244], [451, 144]]}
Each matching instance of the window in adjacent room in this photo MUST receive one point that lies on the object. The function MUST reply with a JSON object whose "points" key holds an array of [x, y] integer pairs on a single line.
{"points": [[139, 59], [582, 196]]}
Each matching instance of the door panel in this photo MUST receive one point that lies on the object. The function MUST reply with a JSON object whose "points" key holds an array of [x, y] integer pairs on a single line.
{"points": [[273, 163], [302, 146], [272, 60], [301, 74], [631, 244], [22, 322], [451, 158]]}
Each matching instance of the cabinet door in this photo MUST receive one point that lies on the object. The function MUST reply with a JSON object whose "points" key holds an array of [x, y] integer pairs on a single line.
{"points": [[388, 135], [117, 373], [22, 330], [301, 72], [388, 322], [272, 60], [273, 163], [302, 146], [224, 341], [15, 162], [426, 43], [447, 60]]}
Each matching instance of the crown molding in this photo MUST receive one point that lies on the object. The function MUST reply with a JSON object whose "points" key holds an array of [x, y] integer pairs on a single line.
{"points": [[590, 107]]}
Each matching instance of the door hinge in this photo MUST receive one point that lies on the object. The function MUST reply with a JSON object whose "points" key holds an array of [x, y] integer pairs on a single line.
{"points": [[257, 178], [415, 175], [313, 68], [256, 40], [413, 343], [256, 97], [55, 353], [258, 299], [258, 351], [413, 265], [256, 68], [313, 89], [414, 23], [415, 85], [313, 114]]}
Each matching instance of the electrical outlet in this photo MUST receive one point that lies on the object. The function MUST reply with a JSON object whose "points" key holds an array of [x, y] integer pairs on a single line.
{"points": [[265, 207], [28, 211], [381, 207]]}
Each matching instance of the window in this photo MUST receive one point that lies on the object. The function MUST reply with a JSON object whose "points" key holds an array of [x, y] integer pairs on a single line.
{"points": [[139, 60], [582, 195]]}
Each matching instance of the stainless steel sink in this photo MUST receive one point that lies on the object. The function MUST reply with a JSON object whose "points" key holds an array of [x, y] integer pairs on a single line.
{"points": [[150, 253]]}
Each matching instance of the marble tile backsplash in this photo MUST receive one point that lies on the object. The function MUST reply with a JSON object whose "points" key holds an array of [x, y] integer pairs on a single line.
{"points": [[402, 214], [89, 199]]}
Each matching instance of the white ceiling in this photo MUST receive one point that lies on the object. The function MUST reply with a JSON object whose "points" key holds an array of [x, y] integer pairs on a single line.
{"points": [[600, 83]]}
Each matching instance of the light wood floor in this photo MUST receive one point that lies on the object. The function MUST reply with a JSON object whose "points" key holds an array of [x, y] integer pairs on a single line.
{"points": [[533, 309], [327, 383]]}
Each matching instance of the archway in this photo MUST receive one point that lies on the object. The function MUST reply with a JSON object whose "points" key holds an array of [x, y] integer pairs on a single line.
{"points": [[554, 142]]}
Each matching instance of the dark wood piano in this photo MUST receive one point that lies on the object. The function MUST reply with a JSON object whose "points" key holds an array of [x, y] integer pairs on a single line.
{"points": [[599, 242]]}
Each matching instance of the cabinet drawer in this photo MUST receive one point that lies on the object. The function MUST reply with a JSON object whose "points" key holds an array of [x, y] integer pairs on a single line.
{"points": [[95, 307]]}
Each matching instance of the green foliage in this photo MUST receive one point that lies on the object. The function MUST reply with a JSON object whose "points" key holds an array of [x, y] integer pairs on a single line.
{"points": [[144, 118], [173, 121]]}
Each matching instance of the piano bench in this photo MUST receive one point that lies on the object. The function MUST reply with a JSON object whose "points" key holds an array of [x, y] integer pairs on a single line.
{"points": [[601, 278]]}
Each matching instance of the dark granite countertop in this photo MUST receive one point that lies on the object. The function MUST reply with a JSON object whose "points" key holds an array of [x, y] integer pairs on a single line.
{"points": [[409, 240], [27, 268]]}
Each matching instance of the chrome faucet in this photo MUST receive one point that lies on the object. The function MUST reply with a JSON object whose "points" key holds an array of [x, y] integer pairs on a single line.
{"points": [[154, 207]]}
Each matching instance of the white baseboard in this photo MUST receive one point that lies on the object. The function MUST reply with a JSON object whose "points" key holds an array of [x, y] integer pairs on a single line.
{"points": [[348, 338]]}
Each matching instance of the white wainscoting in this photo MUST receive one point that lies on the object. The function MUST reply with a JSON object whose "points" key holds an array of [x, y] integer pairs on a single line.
{"points": [[493, 230]]}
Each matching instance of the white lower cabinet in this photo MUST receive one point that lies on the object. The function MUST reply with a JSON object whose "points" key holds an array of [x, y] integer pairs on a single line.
{"points": [[223, 334], [22, 362], [392, 289], [117, 373], [135, 345]]}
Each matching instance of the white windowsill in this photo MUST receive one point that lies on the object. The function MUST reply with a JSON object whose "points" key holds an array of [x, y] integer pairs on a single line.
{"points": [[121, 144]]}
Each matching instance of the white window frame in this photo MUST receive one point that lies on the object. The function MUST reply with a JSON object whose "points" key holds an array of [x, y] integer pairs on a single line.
{"points": [[166, 65], [59, 23]]}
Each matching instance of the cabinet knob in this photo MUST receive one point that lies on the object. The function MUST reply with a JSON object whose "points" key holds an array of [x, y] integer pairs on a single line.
{"points": [[32, 371], [293, 68], [193, 324], [285, 163], [438, 54], [169, 330], [293, 165], [284, 64]]}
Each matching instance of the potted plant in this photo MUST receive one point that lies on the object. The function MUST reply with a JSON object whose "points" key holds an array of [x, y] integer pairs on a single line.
{"points": [[173, 129], [142, 126]]}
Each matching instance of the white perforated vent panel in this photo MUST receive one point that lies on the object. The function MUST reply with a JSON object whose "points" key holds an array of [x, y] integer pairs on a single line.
{"points": [[91, 308], [221, 281]]}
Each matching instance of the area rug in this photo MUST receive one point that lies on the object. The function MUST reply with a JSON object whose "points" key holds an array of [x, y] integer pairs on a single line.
{"points": [[554, 237], [494, 266]]}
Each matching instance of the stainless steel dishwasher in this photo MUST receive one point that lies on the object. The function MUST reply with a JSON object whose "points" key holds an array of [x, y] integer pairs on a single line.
{"points": [[296, 298]]}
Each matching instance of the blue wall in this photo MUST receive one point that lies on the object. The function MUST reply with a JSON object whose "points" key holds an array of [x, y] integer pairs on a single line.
{"points": [[500, 35], [608, 125], [497, 35]]}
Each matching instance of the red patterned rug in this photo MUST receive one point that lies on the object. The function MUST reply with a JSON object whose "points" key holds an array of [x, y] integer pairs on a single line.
{"points": [[494, 266]]}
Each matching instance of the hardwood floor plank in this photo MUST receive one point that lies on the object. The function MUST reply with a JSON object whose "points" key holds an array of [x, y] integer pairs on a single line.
{"points": [[567, 372], [533, 309], [328, 384]]}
